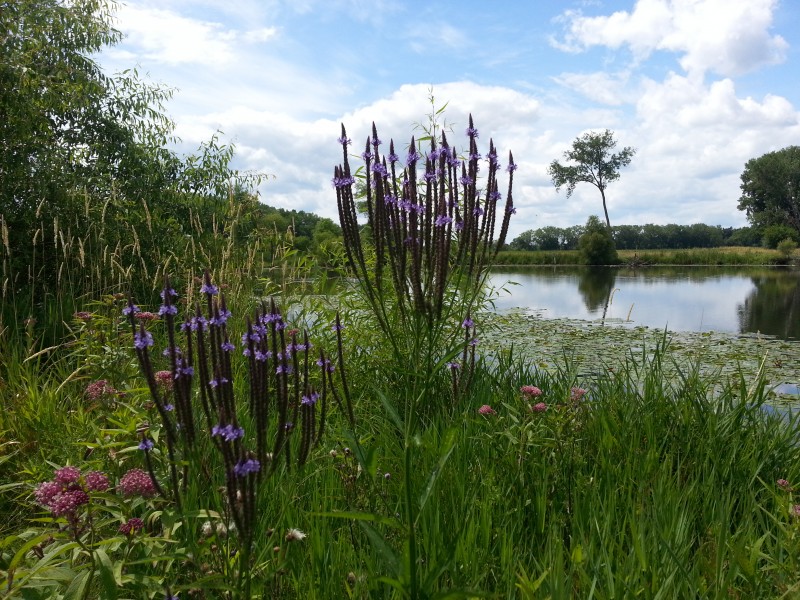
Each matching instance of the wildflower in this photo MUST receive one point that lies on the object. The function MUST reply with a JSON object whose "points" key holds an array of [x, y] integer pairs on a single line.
{"points": [[795, 510], [131, 309], [167, 309], [100, 389], [209, 288], [83, 316], [486, 410], [207, 529], [137, 483], [46, 491], [310, 400], [221, 530], [453, 366], [227, 346], [295, 535], [576, 393], [67, 503], [67, 475], [442, 220], [164, 380], [783, 484], [472, 132], [170, 292], [146, 444], [468, 323], [243, 468], [333, 453], [142, 340], [539, 407], [96, 481], [131, 526], [227, 432], [511, 168], [530, 390]]}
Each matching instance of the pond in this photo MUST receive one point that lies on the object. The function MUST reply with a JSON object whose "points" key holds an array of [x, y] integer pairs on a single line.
{"points": [[739, 300]]}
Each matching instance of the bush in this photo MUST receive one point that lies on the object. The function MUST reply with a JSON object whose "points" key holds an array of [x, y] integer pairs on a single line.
{"points": [[596, 246], [774, 234], [787, 247]]}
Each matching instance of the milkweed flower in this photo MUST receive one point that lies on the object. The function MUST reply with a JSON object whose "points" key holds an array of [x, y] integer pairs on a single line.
{"points": [[96, 481], [131, 526], [530, 390], [486, 410], [100, 389], [539, 407], [137, 483], [782, 483], [577, 393]]}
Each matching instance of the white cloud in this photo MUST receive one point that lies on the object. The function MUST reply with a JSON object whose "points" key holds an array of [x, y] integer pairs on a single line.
{"points": [[163, 36], [261, 35], [605, 88], [728, 37]]}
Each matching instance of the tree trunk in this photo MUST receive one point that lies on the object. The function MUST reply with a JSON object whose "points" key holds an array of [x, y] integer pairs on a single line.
{"points": [[605, 210]]}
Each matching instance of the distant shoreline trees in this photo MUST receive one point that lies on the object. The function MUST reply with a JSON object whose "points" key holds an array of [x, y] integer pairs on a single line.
{"points": [[642, 237]]}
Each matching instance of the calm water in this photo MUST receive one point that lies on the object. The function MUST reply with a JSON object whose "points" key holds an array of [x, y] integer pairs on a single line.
{"points": [[729, 299]]}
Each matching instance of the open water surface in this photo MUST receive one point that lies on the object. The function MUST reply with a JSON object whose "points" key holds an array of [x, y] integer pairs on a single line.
{"points": [[744, 300]]}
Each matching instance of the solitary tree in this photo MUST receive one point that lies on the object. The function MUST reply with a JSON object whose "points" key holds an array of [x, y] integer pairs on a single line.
{"points": [[593, 163], [771, 189]]}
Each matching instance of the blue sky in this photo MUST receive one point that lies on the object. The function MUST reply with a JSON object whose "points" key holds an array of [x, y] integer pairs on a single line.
{"points": [[698, 87]]}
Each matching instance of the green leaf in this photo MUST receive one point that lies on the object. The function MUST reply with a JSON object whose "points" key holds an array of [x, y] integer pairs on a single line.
{"points": [[382, 548], [76, 589], [107, 577], [448, 445]]}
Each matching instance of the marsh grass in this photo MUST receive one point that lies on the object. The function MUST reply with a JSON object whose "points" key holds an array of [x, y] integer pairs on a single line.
{"points": [[740, 255]]}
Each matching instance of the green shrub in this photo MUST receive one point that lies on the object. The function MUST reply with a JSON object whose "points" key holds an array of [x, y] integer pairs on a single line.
{"points": [[774, 234], [596, 246], [787, 247]]}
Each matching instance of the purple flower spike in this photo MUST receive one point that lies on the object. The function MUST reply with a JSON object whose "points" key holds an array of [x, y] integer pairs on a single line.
{"points": [[146, 444], [131, 309], [244, 468], [142, 340]]}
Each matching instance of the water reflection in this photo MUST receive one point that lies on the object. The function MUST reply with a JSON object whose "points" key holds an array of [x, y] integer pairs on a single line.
{"points": [[732, 299]]}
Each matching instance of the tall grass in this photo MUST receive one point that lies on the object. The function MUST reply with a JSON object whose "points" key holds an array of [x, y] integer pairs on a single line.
{"points": [[743, 255]]}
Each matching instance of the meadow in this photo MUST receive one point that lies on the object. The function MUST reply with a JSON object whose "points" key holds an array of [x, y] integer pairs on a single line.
{"points": [[247, 431]]}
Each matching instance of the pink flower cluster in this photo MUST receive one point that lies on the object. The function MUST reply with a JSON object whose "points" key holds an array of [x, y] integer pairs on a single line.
{"points": [[530, 391], [164, 380], [100, 389], [486, 410], [539, 407], [576, 394], [131, 526], [137, 483], [69, 490], [146, 316]]}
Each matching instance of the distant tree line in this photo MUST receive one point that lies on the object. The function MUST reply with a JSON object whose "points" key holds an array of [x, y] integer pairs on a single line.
{"points": [[652, 237]]}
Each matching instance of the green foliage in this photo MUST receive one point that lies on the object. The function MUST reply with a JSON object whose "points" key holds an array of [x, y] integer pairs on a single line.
{"points": [[774, 234], [771, 189], [593, 163], [787, 247], [641, 237], [596, 246]]}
